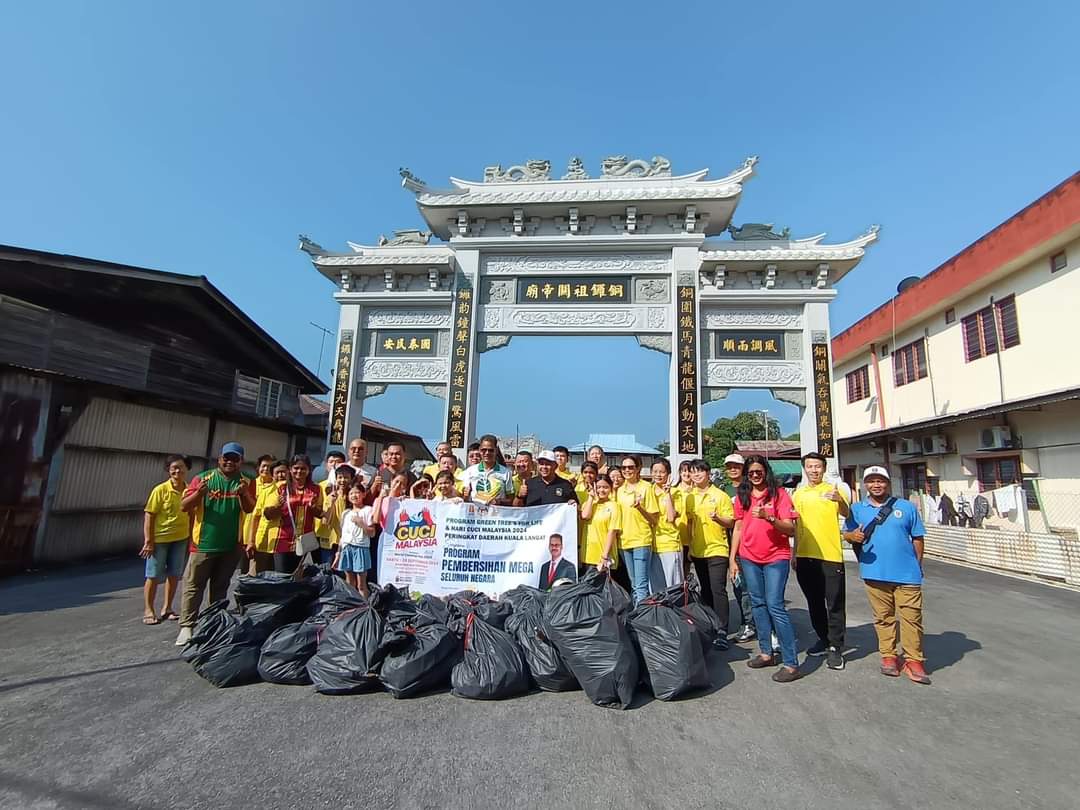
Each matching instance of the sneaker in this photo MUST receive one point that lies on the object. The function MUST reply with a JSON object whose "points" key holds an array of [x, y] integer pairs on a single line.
{"points": [[183, 637], [916, 672], [761, 661], [835, 659], [747, 633], [721, 643], [890, 666], [819, 648], [786, 675]]}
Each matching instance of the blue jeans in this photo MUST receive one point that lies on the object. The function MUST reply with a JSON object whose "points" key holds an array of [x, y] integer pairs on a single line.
{"points": [[167, 560], [637, 562], [766, 584]]}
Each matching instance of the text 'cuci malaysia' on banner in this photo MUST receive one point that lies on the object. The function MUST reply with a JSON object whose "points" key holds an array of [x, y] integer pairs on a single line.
{"points": [[441, 548]]}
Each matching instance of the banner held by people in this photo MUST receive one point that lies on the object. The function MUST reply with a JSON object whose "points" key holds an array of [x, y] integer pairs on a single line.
{"points": [[441, 547]]}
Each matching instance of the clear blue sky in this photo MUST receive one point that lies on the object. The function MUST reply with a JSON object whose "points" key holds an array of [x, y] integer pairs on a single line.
{"points": [[202, 137]]}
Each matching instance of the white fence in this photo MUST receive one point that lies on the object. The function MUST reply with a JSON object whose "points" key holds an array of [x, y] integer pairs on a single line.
{"points": [[1043, 555]]}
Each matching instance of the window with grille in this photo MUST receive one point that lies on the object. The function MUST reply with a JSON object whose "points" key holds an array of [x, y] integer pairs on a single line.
{"points": [[997, 472], [990, 327], [909, 362], [858, 384], [269, 402], [915, 479]]}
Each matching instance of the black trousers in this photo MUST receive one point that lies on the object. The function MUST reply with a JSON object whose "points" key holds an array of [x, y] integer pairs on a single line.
{"points": [[712, 573], [824, 586]]}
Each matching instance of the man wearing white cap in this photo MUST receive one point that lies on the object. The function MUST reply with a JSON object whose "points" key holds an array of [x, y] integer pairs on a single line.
{"points": [[887, 534], [733, 468]]}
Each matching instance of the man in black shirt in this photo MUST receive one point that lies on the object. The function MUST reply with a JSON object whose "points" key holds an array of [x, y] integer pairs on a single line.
{"points": [[546, 488]]}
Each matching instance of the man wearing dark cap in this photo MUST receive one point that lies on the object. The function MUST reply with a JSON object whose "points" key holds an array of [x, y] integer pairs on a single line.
{"points": [[547, 487], [217, 499]]}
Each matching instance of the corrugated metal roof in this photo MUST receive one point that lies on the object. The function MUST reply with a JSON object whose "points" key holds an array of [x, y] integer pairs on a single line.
{"points": [[614, 443]]}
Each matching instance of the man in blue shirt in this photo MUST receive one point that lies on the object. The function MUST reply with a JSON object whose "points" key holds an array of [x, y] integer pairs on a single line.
{"points": [[887, 535]]}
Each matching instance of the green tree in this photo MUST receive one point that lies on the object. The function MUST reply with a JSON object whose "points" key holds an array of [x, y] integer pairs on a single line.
{"points": [[664, 448], [720, 438]]}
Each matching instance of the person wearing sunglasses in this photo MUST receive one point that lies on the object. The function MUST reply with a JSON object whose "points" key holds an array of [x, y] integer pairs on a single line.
{"points": [[760, 549], [640, 514], [488, 481]]}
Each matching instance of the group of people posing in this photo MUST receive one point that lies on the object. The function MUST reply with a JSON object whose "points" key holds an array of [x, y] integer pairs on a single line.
{"points": [[647, 533]]}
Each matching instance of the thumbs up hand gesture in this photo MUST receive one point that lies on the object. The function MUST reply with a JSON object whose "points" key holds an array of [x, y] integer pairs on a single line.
{"points": [[832, 495]]}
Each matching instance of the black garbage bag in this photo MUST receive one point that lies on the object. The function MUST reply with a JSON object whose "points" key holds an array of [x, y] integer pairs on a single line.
{"points": [[224, 647], [492, 666], [525, 624], [581, 620], [687, 598], [345, 662], [271, 600], [671, 648], [464, 603], [335, 596], [417, 653], [434, 607], [285, 654], [386, 598]]}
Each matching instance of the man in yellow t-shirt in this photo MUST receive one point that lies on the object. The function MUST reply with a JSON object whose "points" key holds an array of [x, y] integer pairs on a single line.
{"points": [[711, 516], [819, 558], [447, 461], [166, 528], [441, 449], [562, 463], [334, 460], [640, 514]]}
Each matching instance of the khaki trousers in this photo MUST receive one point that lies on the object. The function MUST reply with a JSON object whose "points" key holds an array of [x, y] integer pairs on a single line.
{"points": [[889, 602], [206, 567]]}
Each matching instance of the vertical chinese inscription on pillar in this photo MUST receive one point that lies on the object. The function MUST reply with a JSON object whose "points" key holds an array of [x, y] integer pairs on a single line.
{"points": [[687, 358], [460, 348], [341, 387], [823, 398]]}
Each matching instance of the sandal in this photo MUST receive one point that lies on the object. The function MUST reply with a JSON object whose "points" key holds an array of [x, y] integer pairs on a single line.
{"points": [[170, 616], [151, 620]]}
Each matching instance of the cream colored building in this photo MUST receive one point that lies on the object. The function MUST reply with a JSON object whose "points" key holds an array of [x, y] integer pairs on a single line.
{"points": [[969, 379]]}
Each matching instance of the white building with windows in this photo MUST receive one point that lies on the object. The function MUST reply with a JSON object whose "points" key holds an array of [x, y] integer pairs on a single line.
{"points": [[968, 380]]}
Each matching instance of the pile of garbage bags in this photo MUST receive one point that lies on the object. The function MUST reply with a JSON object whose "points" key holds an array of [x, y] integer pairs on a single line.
{"points": [[313, 628]]}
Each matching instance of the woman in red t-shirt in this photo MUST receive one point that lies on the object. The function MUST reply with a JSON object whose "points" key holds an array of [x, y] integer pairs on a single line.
{"points": [[299, 503], [764, 520]]}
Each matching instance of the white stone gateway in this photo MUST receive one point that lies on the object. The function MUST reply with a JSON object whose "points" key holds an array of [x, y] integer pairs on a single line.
{"points": [[636, 251]]}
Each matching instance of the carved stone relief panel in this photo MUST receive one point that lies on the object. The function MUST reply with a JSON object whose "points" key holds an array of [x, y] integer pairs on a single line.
{"points": [[437, 391], [760, 374], [499, 291], [599, 263], [793, 396], [391, 318], [793, 345], [593, 319], [402, 371], [493, 317], [753, 317], [659, 343], [651, 291], [485, 342], [657, 318]]}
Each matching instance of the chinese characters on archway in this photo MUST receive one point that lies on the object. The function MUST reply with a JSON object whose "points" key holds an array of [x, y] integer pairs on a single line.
{"points": [[460, 346], [823, 398], [341, 387], [405, 343], [686, 347], [582, 290], [751, 343]]}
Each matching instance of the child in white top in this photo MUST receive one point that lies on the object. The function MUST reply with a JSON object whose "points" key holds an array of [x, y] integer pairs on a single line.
{"points": [[357, 528]]}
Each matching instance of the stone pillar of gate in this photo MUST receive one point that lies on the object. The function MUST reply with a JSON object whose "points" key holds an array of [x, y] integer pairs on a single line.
{"points": [[685, 262], [467, 277], [816, 433], [344, 384]]}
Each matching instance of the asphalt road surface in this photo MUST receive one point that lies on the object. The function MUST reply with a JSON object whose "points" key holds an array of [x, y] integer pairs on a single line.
{"points": [[98, 711]]}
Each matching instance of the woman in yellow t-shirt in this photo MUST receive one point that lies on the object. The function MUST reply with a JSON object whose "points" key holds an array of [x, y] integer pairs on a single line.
{"points": [[680, 493], [712, 516], [640, 513], [264, 479], [602, 518], [262, 541], [166, 529], [667, 568]]}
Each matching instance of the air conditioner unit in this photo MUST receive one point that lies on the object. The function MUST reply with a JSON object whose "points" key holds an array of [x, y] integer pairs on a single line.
{"points": [[995, 438], [934, 445], [909, 447]]}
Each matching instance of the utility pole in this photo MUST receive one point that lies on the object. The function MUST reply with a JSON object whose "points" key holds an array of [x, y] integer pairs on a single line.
{"points": [[765, 421]]}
